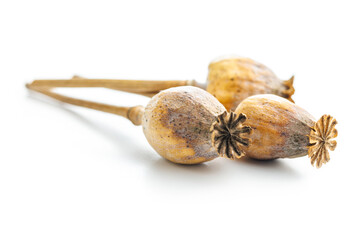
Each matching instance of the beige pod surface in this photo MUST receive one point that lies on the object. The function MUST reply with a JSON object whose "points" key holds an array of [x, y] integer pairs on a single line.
{"points": [[231, 80], [177, 123], [282, 129]]}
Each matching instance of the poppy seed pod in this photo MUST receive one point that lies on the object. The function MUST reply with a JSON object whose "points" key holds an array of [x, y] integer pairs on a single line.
{"points": [[231, 80], [177, 123], [282, 129]]}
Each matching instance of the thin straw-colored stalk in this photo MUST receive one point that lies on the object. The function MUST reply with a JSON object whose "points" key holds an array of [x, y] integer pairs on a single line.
{"points": [[134, 114], [150, 87]]}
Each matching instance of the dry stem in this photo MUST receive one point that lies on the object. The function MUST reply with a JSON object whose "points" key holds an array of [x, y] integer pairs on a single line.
{"points": [[134, 114], [147, 88]]}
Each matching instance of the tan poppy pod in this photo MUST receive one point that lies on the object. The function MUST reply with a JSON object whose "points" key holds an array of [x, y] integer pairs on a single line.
{"points": [[231, 80], [281, 129], [177, 124]]}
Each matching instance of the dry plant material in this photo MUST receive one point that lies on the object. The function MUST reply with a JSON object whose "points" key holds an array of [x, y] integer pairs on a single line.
{"points": [[282, 129], [185, 125], [230, 80], [188, 125]]}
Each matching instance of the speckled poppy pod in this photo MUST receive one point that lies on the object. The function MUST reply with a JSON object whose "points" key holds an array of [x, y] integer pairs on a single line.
{"points": [[188, 125], [231, 80], [281, 129]]}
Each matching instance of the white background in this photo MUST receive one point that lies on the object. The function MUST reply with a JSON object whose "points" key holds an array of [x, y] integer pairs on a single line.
{"points": [[73, 173]]}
